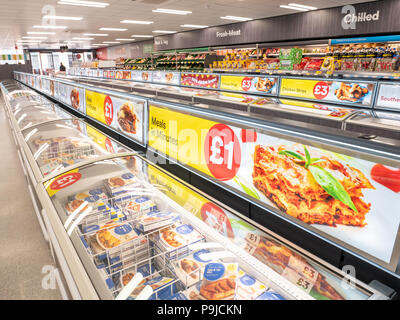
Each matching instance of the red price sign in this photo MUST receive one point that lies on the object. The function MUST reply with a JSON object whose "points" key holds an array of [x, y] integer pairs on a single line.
{"points": [[108, 145], [108, 110], [246, 83], [216, 218], [65, 180], [321, 90], [222, 152]]}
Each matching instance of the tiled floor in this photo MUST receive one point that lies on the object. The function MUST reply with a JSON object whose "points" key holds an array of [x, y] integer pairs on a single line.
{"points": [[24, 254]]}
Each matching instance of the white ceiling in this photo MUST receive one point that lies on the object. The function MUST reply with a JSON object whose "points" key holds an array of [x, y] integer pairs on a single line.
{"points": [[19, 16]]}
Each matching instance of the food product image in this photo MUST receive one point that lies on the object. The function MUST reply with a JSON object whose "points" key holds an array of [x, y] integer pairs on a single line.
{"points": [[179, 236], [219, 281], [190, 268], [122, 183], [311, 187], [279, 258], [74, 97], [127, 118], [94, 197], [155, 219], [264, 84], [113, 234], [351, 93]]}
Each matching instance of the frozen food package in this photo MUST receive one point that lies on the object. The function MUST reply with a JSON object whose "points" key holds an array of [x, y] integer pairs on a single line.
{"points": [[219, 281], [164, 288], [138, 205], [247, 287], [95, 198], [126, 182], [156, 219], [178, 237], [270, 295], [190, 269], [146, 270]]}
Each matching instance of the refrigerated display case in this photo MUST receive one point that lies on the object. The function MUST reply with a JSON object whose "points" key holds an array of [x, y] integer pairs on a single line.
{"points": [[116, 215]]}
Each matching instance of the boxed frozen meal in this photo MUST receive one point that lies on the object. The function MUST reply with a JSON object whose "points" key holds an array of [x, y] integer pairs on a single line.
{"points": [[247, 287], [95, 198], [146, 270], [139, 204], [164, 288], [124, 183], [155, 219], [190, 268], [175, 239], [219, 281]]}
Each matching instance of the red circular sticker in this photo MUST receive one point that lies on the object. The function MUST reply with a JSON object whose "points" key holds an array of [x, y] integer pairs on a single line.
{"points": [[216, 218], [222, 152], [108, 145], [65, 180], [246, 83], [108, 110], [321, 90]]}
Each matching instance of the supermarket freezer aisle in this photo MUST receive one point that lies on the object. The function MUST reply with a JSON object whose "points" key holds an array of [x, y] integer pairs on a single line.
{"points": [[24, 254]]}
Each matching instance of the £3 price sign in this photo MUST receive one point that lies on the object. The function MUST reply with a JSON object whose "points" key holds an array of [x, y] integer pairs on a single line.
{"points": [[65, 180], [321, 90], [246, 83], [108, 110], [222, 152]]}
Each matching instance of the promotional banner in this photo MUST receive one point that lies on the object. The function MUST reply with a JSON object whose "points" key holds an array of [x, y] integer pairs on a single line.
{"points": [[355, 93], [123, 114], [259, 85], [389, 96], [139, 75], [201, 80], [283, 260], [72, 96], [347, 198], [166, 77], [314, 108], [101, 140]]}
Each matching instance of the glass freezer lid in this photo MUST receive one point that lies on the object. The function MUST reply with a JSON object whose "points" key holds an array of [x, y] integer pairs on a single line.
{"points": [[129, 226], [33, 115], [135, 196], [62, 143], [378, 119]]}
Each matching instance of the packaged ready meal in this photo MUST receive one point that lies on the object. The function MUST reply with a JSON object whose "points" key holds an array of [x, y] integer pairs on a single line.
{"points": [[95, 198], [140, 204], [124, 183], [219, 281], [155, 219], [247, 287], [270, 295], [190, 268]]}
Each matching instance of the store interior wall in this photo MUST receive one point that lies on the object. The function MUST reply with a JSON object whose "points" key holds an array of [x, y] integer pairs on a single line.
{"points": [[6, 70]]}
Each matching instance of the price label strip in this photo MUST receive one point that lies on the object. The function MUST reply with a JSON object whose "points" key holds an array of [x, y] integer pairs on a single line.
{"points": [[301, 274]]}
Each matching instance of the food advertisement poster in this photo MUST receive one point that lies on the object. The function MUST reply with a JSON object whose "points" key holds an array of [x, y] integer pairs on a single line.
{"points": [[124, 115], [260, 85], [347, 198], [72, 96], [356, 93], [314, 108], [138, 75], [389, 96], [123, 74], [308, 276], [166, 77], [201, 80]]}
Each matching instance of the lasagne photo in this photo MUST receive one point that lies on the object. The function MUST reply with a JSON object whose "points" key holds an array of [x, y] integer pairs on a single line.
{"points": [[311, 186]]}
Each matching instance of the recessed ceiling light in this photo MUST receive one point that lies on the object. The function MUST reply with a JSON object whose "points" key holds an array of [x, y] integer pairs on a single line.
{"points": [[76, 38], [73, 41], [236, 18], [97, 44], [41, 32], [192, 26], [34, 37], [302, 6], [96, 34], [293, 8], [172, 11], [84, 3], [111, 42], [50, 27], [29, 41], [141, 36], [136, 22], [62, 18], [112, 29], [163, 31]]}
